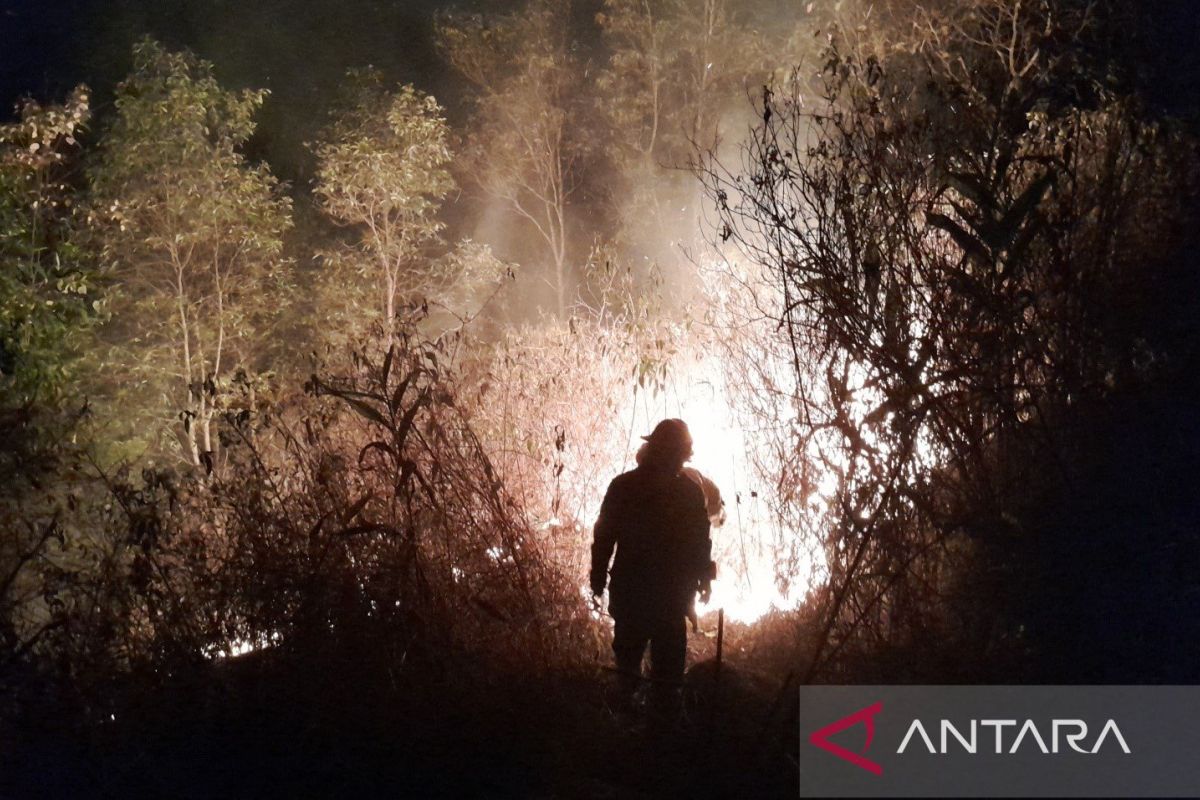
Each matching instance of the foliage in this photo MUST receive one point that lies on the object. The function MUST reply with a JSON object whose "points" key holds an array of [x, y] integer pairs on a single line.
{"points": [[361, 514], [469, 277], [383, 171], [47, 295], [193, 233], [946, 236], [675, 85], [672, 67], [553, 400], [48, 302], [529, 140]]}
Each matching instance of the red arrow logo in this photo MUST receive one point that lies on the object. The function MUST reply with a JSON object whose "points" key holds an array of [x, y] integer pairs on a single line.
{"points": [[867, 717]]}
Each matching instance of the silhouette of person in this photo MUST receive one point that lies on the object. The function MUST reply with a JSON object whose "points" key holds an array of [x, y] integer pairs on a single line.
{"points": [[714, 506], [656, 518]]}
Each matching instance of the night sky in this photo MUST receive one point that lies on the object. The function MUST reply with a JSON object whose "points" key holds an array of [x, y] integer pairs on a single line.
{"points": [[298, 50]]}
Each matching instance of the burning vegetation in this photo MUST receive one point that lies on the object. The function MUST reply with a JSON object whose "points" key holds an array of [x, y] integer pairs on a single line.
{"points": [[325, 455]]}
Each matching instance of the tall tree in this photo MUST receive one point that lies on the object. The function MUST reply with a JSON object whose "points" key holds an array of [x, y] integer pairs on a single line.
{"points": [[383, 170], [526, 148], [45, 289], [676, 81], [49, 301], [48, 293], [193, 232]]}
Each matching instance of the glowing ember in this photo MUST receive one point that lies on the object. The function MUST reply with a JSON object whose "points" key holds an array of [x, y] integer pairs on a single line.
{"points": [[243, 645]]}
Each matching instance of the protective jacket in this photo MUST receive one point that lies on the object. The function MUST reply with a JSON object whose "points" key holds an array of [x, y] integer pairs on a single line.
{"points": [[658, 524]]}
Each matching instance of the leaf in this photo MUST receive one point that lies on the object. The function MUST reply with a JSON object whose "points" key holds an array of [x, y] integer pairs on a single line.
{"points": [[406, 421], [384, 446], [398, 395], [364, 410], [357, 508], [408, 468], [387, 363]]}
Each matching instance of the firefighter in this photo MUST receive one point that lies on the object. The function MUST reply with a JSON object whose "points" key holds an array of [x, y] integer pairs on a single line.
{"points": [[655, 517], [714, 506]]}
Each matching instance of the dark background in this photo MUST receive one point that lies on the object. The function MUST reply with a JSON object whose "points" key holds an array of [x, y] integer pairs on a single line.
{"points": [[300, 49]]}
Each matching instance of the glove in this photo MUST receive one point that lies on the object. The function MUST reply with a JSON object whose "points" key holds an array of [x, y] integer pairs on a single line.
{"points": [[598, 582], [705, 592]]}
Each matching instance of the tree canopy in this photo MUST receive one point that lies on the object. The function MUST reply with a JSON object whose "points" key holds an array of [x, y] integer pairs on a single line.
{"points": [[193, 232]]}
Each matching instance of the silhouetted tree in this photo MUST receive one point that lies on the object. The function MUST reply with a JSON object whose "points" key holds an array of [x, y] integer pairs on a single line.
{"points": [[949, 228]]}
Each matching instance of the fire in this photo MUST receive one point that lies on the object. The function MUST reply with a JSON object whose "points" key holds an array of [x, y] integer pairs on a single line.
{"points": [[745, 546], [575, 399]]}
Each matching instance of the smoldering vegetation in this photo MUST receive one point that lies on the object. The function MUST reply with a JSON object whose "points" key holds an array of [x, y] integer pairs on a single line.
{"points": [[298, 476]]}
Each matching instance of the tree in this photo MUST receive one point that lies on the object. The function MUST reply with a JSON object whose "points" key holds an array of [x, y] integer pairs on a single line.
{"points": [[383, 170], [946, 234], [48, 303], [677, 78], [527, 147], [193, 233], [678, 67], [46, 292], [49, 299]]}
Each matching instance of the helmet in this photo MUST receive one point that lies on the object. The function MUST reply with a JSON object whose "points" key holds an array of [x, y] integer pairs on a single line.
{"points": [[671, 435]]}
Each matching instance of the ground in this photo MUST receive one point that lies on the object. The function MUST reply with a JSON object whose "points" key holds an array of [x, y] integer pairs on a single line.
{"points": [[331, 724]]}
